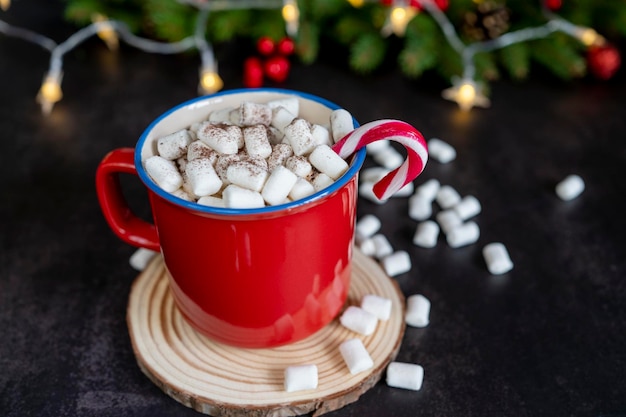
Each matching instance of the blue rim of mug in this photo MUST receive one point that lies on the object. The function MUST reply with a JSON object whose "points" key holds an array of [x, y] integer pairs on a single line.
{"points": [[355, 165]]}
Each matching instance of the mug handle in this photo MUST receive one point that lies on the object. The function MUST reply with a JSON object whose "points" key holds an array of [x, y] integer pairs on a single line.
{"points": [[126, 225]]}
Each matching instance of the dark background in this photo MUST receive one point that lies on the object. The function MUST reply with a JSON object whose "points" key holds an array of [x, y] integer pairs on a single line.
{"points": [[546, 339]]}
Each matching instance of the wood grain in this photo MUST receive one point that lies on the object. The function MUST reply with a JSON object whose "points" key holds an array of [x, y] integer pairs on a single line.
{"points": [[221, 380]]}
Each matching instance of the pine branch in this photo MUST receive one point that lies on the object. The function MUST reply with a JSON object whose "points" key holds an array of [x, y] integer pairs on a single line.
{"points": [[367, 53], [516, 60]]}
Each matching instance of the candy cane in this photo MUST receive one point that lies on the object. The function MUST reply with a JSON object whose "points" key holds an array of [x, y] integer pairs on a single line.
{"points": [[395, 130]]}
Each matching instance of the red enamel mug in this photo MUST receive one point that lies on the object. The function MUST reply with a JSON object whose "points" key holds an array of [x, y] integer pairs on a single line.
{"points": [[250, 278]]}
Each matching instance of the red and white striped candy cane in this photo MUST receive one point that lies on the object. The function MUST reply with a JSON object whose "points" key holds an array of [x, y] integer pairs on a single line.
{"points": [[397, 131]]}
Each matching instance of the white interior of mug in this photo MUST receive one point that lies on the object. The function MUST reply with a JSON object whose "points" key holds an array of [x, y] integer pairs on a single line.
{"points": [[312, 108]]}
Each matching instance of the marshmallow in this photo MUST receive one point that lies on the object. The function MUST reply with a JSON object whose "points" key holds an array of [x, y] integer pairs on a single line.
{"points": [[358, 320], [199, 149], [417, 311], [202, 177], [278, 185], [367, 247], [211, 201], [222, 164], [429, 189], [405, 375], [256, 142], [302, 188], [447, 197], [140, 259], [389, 158], [382, 245], [164, 173], [274, 135], [468, 207], [397, 263], [174, 145], [420, 208], [251, 114], [366, 190], [355, 356], [221, 115], [280, 153], [300, 377], [281, 117], [292, 104], [426, 234], [237, 197], [376, 305], [341, 124], [377, 146], [448, 220], [570, 187], [327, 161], [299, 166], [182, 194], [405, 191], [367, 226], [321, 181], [321, 135], [441, 151], [247, 175], [218, 138], [298, 134], [497, 258], [463, 235], [373, 174], [236, 133]]}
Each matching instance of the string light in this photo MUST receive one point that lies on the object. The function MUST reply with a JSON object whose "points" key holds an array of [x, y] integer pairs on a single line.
{"points": [[50, 91], [106, 33], [291, 15], [400, 14], [356, 3], [466, 94], [5, 4]]}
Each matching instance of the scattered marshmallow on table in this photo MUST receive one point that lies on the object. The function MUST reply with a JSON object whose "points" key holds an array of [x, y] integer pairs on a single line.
{"points": [[355, 356], [388, 157], [358, 320], [405, 375], [379, 306], [373, 174], [164, 173], [405, 191], [417, 311], [377, 146], [366, 190], [441, 151], [300, 377], [497, 258], [426, 234], [382, 245], [469, 206], [367, 247], [140, 258], [397, 263], [420, 208], [367, 226], [465, 234], [447, 197], [570, 187], [429, 189], [448, 220]]}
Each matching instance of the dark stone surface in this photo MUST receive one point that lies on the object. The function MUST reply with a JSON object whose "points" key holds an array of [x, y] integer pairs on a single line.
{"points": [[547, 339]]}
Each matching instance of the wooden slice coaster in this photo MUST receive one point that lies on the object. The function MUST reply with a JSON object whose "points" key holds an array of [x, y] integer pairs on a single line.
{"points": [[221, 380]]}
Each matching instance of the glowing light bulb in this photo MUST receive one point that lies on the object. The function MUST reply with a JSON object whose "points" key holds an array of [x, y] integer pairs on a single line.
{"points": [[399, 18], [590, 37], [210, 81], [50, 92], [5, 4], [291, 15], [466, 94], [106, 33], [356, 3]]}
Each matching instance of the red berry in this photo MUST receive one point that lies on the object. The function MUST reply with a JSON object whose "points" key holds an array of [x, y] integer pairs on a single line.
{"points": [[553, 4], [277, 68], [253, 72], [265, 45], [286, 46], [603, 61], [416, 4], [442, 4], [386, 2]]}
